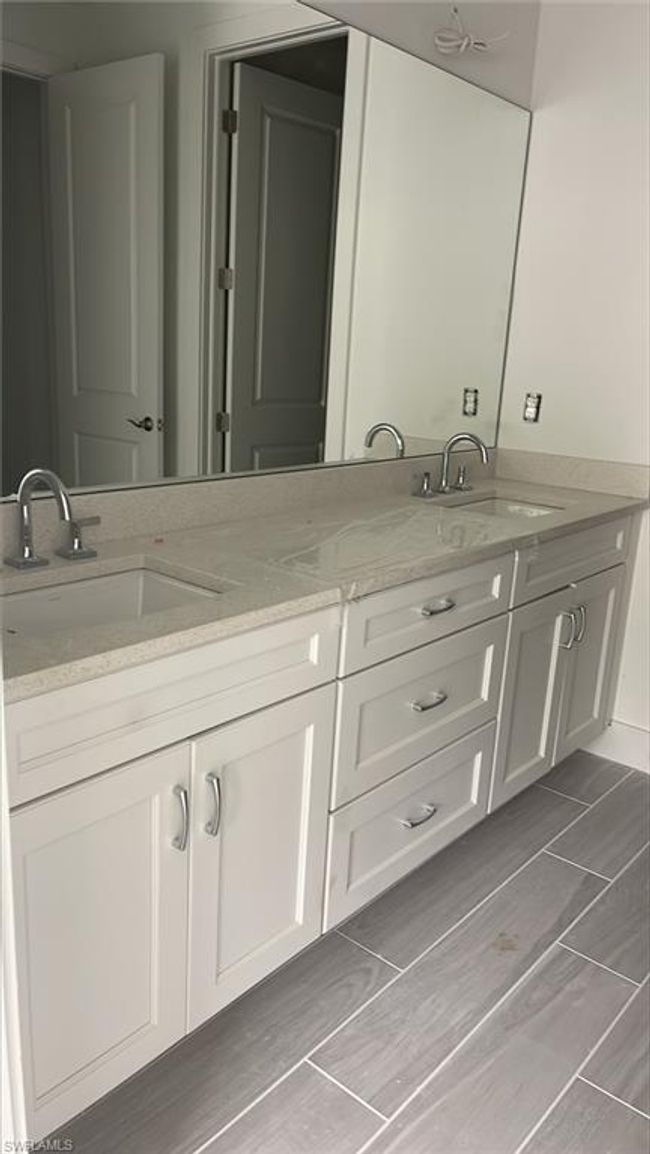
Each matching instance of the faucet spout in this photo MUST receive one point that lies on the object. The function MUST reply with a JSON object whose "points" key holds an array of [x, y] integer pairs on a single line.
{"points": [[459, 439], [27, 558], [385, 427]]}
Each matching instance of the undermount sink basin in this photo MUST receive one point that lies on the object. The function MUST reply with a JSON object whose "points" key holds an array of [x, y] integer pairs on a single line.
{"points": [[117, 598], [501, 507]]}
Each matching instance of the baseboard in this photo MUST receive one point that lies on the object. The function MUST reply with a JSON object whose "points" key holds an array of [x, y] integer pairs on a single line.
{"points": [[624, 743]]}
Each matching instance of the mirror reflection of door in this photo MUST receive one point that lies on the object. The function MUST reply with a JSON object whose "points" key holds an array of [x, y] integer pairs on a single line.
{"points": [[105, 137], [82, 273], [283, 200]]}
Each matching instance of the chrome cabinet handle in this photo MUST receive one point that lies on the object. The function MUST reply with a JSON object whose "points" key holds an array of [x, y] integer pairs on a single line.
{"points": [[570, 642], [437, 698], [414, 822], [180, 841], [582, 628], [212, 827], [146, 423], [441, 606]]}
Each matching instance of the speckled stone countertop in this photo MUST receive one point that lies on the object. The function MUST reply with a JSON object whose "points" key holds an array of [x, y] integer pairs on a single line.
{"points": [[270, 569]]}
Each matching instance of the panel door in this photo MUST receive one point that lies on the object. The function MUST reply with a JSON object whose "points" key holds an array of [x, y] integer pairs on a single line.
{"points": [[589, 668], [260, 790], [283, 204], [528, 712], [106, 162], [101, 917]]}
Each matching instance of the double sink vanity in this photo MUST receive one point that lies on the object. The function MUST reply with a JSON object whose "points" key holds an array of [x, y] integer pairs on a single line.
{"points": [[223, 741]]}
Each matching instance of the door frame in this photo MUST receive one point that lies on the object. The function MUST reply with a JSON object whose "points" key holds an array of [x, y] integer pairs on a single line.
{"points": [[205, 60]]}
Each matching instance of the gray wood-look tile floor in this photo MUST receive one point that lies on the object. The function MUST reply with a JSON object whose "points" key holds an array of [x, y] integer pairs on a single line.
{"points": [[496, 1001]]}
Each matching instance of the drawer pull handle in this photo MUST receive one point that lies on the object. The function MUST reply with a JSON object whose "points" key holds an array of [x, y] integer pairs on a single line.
{"points": [[180, 841], [582, 628], [414, 822], [424, 706], [441, 606], [212, 827], [571, 640]]}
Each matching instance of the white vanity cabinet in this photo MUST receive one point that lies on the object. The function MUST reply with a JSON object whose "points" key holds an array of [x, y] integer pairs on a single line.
{"points": [[182, 828], [257, 850], [588, 666], [101, 932], [528, 710], [560, 663], [415, 733]]}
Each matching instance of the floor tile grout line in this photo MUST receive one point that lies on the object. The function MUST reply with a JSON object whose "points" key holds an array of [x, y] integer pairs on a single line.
{"points": [[568, 796], [589, 804], [576, 1074], [493, 1010], [558, 857], [601, 965], [248, 1107], [346, 1089], [355, 1013], [614, 1097], [373, 953]]}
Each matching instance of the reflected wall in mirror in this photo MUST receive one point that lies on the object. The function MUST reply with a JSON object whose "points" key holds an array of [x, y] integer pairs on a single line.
{"points": [[234, 241]]}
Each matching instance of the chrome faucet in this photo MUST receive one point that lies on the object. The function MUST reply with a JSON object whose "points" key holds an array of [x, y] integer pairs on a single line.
{"points": [[27, 558], [384, 427], [458, 439]]}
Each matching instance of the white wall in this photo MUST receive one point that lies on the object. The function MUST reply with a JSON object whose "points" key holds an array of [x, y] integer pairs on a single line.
{"points": [[580, 323]]}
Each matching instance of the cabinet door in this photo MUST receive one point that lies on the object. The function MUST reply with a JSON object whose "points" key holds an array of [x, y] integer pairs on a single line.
{"points": [[528, 712], [588, 669], [101, 917], [260, 791]]}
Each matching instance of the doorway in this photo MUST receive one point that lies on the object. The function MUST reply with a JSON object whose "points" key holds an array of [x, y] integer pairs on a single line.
{"points": [[27, 385], [278, 117]]}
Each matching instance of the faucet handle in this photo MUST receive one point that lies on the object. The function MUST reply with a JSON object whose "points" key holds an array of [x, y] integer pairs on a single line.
{"points": [[461, 483], [76, 550], [425, 489]]}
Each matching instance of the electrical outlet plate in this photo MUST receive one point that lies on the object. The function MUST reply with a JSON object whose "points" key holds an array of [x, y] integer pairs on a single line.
{"points": [[470, 402], [532, 405]]}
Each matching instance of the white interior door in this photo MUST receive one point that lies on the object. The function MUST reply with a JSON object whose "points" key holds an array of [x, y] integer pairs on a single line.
{"points": [[283, 203], [106, 163]]}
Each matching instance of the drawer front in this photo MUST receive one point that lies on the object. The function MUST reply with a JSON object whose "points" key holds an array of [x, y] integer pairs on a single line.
{"points": [[376, 840], [387, 624], [550, 565], [79, 731], [393, 715]]}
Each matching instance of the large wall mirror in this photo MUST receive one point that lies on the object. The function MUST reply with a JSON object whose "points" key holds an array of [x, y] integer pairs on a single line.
{"points": [[236, 241]]}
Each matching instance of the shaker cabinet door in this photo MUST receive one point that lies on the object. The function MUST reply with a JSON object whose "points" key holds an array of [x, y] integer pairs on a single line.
{"points": [[260, 792], [530, 698], [589, 666], [101, 914]]}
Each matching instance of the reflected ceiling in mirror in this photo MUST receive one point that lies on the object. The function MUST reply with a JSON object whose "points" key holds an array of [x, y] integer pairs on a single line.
{"points": [[333, 250]]}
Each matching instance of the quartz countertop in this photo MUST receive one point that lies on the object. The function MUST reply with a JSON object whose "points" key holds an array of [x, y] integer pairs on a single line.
{"points": [[267, 570]]}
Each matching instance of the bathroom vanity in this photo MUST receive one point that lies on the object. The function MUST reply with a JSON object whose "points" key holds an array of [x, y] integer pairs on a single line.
{"points": [[214, 786]]}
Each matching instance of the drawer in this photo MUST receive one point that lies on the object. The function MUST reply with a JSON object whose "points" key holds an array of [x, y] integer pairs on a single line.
{"points": [[394, 714], [386, 624], [73, 733], [543, 568], [374, 841]]}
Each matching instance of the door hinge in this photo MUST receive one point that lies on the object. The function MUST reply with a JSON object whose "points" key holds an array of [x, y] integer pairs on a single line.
{"points": [[229, 121], [226, 278], [222, 422]]}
